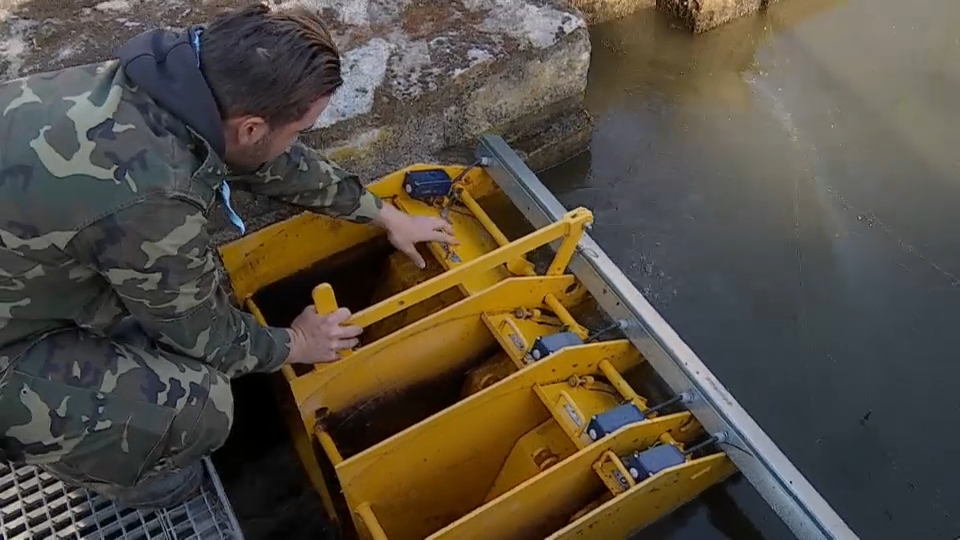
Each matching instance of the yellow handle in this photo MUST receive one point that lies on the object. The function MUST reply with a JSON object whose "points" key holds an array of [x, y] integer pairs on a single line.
{"points": [[324, 299], [325, 302]]}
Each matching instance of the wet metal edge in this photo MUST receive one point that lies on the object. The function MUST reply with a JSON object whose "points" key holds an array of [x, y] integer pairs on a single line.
{"points": [[790, 495]]}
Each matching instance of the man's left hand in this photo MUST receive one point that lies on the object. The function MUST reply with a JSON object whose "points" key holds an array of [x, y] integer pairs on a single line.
{"points": [[406, 231]]}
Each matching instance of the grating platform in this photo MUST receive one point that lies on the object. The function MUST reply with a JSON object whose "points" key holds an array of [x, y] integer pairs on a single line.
{"points": [[36, 506]]}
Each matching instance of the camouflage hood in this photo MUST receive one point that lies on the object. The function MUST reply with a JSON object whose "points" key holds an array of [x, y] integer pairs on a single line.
{"points": [[165, 66]]}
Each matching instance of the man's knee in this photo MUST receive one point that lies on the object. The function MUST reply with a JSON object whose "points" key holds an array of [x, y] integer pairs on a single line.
{"points": [[202, 426], [111, 412]]}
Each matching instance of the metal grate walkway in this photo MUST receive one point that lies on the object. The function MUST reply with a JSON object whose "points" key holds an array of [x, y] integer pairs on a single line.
{"points": [[36, 506]]}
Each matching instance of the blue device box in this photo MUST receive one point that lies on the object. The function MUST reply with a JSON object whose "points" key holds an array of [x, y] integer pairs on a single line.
{"points": [[649, 462], [546, 345], [428, 184], [607, 422]]}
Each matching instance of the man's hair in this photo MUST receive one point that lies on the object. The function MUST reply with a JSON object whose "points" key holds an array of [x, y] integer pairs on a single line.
{"points": [[272, 64]]}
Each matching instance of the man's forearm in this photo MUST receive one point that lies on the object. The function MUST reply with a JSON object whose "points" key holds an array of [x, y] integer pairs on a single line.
{"points": [[303, 177]]}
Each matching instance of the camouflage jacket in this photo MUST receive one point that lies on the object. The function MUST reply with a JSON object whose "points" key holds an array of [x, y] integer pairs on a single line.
{"points": [[108, 173]]}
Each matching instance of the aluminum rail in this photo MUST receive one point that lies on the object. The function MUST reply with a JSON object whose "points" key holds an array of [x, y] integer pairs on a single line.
{"points": [[787, 492]]}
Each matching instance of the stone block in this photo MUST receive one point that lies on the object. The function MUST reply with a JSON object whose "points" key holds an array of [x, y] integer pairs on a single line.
{"points": [[703, 15], [597, 11], [421, 76]]}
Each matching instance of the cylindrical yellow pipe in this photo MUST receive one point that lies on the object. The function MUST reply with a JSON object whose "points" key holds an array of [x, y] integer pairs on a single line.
{"points": [[371, 522], [565, 317], [329, 447], [618, 381], [519, 266], [482, 217]]}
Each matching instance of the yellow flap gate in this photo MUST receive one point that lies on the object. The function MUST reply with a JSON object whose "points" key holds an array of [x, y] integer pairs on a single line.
{"points": [[514, 389]]}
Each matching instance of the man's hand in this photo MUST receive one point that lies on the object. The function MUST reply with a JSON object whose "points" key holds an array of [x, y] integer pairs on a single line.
{"points": [[406, 231], [317, 338]]}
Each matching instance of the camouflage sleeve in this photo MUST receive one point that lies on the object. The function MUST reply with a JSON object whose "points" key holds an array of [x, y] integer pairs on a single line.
{"points": [[157, 257], [303, 177]]}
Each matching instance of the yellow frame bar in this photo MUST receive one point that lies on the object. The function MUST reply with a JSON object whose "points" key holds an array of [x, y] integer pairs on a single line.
{"points": [[520, 267], [570, 228]]}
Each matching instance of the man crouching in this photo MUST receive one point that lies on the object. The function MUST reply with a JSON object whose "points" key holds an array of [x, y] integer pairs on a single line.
{"points": [[117, 345]]}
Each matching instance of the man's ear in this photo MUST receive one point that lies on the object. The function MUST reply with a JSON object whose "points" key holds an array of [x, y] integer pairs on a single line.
{"points": [[250, 130]]}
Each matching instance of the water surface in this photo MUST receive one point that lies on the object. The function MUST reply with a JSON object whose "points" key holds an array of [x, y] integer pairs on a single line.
{"points": [[786, 191]]}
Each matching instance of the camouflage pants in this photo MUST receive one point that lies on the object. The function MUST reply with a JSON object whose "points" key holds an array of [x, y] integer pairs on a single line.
{"points": [[110, 412]]}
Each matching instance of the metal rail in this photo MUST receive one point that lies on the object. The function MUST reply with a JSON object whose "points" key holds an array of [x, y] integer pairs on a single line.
{"points": [[787, 492]]}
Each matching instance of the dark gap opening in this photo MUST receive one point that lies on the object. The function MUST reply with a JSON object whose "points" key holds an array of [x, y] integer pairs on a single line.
{"points": [[351, 273], [262, 473], [375, 420]]}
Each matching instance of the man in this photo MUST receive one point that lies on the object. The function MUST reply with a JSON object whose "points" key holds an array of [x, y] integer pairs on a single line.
{"points": [[116, 344]]}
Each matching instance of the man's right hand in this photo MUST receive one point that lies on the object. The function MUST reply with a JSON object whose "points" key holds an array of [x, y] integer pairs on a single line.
{"points": [[317, 338]]}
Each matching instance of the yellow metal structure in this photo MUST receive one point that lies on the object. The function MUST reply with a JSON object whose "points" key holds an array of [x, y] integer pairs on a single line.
{"points": [[442, 424], [462, 434]]}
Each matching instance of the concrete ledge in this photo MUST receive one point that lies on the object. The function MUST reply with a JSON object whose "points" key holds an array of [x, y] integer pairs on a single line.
{"points": [[703, 15], [421, 76], [437, 73]]}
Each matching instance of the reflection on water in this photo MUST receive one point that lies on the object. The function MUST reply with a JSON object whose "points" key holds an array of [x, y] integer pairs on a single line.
{"points": [[784, 190]]}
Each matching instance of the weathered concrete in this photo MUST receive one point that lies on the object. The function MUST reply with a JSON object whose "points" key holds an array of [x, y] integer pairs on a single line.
{"points": [[696, 15], [597, 11], [702, 15], [421, 76]]}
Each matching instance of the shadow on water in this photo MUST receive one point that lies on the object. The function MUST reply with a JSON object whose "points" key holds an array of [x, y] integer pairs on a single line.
{"points": [[784, 191]]}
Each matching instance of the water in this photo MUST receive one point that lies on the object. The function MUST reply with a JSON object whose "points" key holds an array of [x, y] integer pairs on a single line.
{"points": [[786, 191]]}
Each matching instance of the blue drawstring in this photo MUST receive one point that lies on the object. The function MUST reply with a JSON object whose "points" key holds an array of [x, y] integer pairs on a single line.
{"points": [[234, 218], [225, 187]]}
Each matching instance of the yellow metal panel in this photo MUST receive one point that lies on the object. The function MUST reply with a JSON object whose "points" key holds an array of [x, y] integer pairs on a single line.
{"points": [[442, 342], [402, 274], [503, 459], [516, 336], [538, 450], [285, 248], [430, 474], [648, 501], [574, 406], [474, 243], [488, 373], [544, 504]]}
